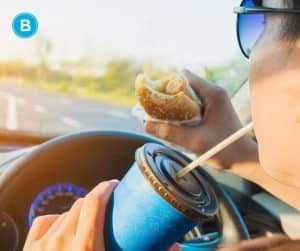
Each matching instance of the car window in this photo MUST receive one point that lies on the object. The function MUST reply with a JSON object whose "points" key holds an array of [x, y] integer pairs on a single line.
{"points": [[78, 71]]}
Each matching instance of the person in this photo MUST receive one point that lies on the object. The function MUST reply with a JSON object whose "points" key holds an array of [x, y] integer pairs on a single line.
{"points": [[273, 43]]}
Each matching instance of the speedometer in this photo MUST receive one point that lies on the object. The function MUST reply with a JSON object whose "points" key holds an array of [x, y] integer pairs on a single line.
{"points": [[54, 199]]}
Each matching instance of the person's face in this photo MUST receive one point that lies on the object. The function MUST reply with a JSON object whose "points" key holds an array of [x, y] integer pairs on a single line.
{"points": [[275, 96]]}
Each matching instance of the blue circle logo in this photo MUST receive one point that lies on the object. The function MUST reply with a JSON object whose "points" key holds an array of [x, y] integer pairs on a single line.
{"points": [[25, 25]]}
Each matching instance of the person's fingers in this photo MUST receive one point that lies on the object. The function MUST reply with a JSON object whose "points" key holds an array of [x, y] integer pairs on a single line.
{"points": [[202, 87], [69, 224], [288, 245], [206, 91], [175, 247], [40, 226], [264, 243], [90, 227], [54, 228], [184, 136]]}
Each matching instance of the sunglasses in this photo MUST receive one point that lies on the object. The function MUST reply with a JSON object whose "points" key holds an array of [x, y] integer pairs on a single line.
{"points": [[251, 22]]}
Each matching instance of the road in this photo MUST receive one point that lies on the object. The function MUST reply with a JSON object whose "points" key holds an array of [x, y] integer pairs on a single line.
{"points": [[30, 109]]}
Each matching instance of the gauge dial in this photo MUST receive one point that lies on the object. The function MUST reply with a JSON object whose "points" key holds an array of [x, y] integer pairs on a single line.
{"points": [[55, 199], [9, 236]]}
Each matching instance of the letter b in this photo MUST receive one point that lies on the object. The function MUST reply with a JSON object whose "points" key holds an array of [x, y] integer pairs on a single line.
{"points": [[25, 25]]}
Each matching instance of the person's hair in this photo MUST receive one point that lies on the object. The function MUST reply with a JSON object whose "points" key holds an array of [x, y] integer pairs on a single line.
{"points": [[291, 24]]}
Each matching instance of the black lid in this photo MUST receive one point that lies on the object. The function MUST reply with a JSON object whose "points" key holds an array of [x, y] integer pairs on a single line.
{"points": [[191, 194]]}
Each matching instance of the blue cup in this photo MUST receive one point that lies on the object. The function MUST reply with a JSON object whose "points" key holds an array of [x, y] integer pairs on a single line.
{"points": [[151, 208]]}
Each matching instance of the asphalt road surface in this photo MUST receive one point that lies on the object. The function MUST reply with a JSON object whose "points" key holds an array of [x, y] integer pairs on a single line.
{"points": [[31, 109]]}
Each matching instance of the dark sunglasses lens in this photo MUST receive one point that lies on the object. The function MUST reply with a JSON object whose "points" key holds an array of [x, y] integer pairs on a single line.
{"points": [[250, 27]]}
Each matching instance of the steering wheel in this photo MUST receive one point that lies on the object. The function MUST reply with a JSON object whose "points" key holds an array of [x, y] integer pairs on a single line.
{"points": [[111, 153]]}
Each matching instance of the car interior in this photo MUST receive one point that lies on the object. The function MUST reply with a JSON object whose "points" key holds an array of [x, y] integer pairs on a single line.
{"points": [[46, 174], [71, 114]]}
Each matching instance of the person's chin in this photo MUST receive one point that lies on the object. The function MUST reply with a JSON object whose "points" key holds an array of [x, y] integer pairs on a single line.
{"points": [[283, 174]]}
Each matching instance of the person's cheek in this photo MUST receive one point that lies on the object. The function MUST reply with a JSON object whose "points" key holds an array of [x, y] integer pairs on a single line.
{"points": [[268, 117], [274, 105]]}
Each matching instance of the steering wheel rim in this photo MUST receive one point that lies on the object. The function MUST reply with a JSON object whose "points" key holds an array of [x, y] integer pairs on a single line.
{"points": [[233, 226], [227, 209]]}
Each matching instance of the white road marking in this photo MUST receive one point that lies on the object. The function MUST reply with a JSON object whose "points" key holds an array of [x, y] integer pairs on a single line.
{"points": [[11, 122], [117, 114], [11, 114], [39, 108], [71, 122]]}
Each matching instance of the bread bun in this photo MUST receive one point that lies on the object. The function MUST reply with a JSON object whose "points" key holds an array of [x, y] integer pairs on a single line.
{"points": [[169, 99]]}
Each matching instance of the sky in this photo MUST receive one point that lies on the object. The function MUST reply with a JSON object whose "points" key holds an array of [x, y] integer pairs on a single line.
{"points": [[176, 32]]}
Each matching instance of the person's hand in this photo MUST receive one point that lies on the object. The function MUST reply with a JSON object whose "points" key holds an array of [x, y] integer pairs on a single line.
{"points": [[274, 243], [81, 228], [219, 120]]}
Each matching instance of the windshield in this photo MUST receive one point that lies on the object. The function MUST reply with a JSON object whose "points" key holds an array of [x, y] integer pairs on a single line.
{"points": [[77, 72]]}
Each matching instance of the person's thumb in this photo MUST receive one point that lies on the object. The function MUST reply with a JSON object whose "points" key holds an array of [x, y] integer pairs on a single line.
{"points": [[175, 247]]}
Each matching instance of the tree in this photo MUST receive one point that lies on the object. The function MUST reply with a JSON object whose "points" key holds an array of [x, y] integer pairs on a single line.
{"points": [[43, 48]]}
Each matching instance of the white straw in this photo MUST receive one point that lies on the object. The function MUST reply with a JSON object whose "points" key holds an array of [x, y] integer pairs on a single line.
{"points": [[216, 149]]}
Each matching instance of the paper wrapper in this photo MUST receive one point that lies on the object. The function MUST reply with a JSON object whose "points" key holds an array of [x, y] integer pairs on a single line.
{"points": [[139, 113]]}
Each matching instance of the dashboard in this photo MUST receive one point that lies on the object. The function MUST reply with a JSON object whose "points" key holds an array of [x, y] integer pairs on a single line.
{"points": [[54, 199], [49, 178]]}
